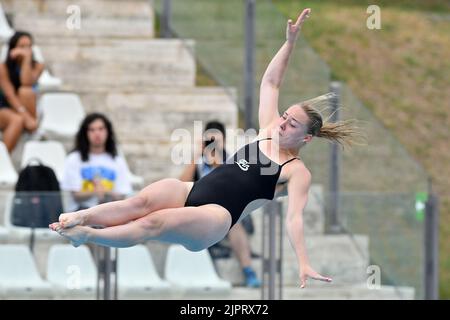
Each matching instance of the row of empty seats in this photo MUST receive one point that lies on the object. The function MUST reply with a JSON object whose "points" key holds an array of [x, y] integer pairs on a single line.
{"points": [[72, 274]]}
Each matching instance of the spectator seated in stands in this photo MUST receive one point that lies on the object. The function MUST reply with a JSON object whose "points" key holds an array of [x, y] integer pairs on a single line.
{"points": [[93, 172], [18, 83]]}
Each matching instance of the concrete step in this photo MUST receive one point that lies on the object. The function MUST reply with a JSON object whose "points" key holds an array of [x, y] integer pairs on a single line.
{"points": [[256, 238], [89, 74], [331, 292], [120, 65], [112, 50], [154, 115], [335, 256], [88, 8], [116, 64], [338, 256], [60, 26], [294, 293]]}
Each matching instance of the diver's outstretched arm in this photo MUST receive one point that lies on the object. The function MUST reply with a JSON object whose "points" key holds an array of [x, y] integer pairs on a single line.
{"points": [[273, 76]]}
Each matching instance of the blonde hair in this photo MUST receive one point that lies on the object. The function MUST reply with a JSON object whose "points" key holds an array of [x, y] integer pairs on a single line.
{"points": [[345, 133]]}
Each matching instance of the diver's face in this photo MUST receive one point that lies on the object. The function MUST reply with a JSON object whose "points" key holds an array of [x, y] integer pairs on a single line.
{"points": [[292, 127]]}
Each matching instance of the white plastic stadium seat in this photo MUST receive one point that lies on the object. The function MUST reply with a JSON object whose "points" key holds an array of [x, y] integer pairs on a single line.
{"points": [[137, 275], [194, 273], [19, 276], [3, 234], [8, 175], [47, 81], [62, 114], [50, 153], [72, 272], [5, 29]]}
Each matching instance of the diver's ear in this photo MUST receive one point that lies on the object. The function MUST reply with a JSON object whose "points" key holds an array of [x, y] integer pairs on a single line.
{"points": [[307, 138]]}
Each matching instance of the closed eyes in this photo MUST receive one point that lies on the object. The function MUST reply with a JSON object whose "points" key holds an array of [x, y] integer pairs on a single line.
{"points": [[292, 123]]}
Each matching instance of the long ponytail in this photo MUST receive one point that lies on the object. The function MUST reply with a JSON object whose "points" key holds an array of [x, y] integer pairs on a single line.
{"points": [[345, 132], [341, 132]]}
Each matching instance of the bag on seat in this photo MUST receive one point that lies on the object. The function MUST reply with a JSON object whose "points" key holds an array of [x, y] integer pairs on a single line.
{"points": [[37, 201]]}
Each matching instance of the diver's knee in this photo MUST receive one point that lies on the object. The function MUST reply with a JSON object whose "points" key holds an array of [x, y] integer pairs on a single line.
{"points": [[152, 226]]}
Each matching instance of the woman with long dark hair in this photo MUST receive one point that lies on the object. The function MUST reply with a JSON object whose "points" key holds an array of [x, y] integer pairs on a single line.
{"points": [[93, 172], [18, 78]]}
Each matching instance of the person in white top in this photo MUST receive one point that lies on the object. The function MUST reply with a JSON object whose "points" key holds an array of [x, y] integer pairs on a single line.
{"points": [[94, 173]]}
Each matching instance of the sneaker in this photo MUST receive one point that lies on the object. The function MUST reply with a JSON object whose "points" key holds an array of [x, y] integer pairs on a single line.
{"points": [[251, 280]]}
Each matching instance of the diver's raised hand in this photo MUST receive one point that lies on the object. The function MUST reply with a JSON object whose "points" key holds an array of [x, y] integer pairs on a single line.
{"points": [[292, 30]]}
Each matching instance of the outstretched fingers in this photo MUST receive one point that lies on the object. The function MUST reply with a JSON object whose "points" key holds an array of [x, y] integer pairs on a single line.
{"points": [[313, 275], [302, 17], [321, 278], [317, 276]]}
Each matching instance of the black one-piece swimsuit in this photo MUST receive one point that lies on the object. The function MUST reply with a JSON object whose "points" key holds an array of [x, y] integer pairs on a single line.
{"points": [[246, 176]]}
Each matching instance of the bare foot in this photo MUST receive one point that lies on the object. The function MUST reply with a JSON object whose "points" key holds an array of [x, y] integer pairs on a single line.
{"points": [[54, 226], [72, 219], [77, 235]]}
